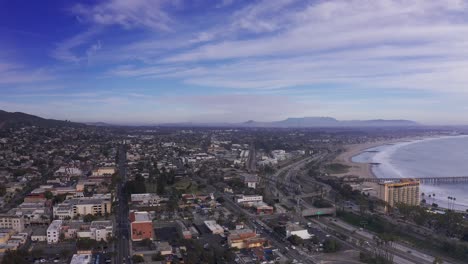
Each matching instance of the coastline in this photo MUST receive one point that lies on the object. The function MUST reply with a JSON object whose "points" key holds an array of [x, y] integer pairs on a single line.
{"points": [[363, 170]]}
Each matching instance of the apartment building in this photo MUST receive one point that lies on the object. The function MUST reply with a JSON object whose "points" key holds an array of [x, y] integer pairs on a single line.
{"points": [[53, 232], [12, 222]]}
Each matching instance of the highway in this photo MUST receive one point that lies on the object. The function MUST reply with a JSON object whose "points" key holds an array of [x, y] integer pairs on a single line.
{"points": [[121, 216]]}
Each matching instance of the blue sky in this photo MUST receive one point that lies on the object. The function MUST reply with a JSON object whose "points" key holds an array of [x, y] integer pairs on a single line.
{"points": [[153, 61]]}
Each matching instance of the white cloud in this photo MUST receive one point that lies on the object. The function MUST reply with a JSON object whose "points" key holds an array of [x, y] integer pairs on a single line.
{"points": [[66, 50], [126, 13], [18, 74]]}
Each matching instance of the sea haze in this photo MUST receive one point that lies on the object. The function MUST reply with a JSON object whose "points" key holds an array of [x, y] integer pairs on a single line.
{"points": [[432, 157]]}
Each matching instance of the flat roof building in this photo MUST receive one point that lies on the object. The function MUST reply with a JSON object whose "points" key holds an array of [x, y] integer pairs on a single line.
{"points": [[214, 227], [405, 191], [53, 232], [141, 226]]}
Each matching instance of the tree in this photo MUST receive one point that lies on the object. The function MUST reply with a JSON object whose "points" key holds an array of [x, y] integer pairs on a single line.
{"points": [[65, 253], [147, 242], [48, 195], [296, 240], [137, 259], [89, 218], [2, 190], [331, 246], [157, 257]]}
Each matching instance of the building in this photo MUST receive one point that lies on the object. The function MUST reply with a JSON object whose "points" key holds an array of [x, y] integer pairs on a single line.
{"points": [[81, 259], [262, 208], [147, 199], [248, 200], [214, 227], [82, 206], [39, 234], [12, 222], [244, 238], [101, 230], [53, 232], [251, 181], [294, 229], [104, 171], [164, 248], [405, 191], [183, 231], [141, 226]]}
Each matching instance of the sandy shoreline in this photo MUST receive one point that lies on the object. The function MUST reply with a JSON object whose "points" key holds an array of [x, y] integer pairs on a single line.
{"points": [[363, 170]]}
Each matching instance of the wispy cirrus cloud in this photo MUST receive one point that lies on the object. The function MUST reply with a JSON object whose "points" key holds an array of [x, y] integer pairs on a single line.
{"points": [[126, 13]]}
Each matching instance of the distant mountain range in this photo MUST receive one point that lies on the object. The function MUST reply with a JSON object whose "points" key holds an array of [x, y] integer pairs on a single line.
{"points": [[307, 122], [18, 119], [9, 119]]}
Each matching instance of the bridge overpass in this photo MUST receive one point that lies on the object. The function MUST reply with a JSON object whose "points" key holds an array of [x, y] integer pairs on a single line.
{"points": [[422, 180]]}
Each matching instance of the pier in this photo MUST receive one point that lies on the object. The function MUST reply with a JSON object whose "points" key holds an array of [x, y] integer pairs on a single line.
{"points": [[422, 180]]}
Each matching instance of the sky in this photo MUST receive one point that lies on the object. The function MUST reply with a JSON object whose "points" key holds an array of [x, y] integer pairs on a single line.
{"points": [[159, 61]]}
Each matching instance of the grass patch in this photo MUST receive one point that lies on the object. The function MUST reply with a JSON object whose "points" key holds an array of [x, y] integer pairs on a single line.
{"points": [[336, 168]]}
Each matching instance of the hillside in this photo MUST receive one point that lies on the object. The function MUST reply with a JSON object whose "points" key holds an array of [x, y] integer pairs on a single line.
{"points": [[18, 119]]}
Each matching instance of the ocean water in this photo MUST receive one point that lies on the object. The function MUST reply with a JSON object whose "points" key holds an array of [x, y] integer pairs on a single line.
{"points": [[432, 157]]}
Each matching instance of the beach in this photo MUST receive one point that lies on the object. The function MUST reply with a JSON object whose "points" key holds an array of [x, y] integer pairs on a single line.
{"points": [[363, 170]]}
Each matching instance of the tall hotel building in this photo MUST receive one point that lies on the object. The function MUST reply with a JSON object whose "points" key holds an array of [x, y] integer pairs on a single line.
{"points": [[405, 191]]}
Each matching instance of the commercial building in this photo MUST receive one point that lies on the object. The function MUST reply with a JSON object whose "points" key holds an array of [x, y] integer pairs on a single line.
{"points": [[294, 229], [248, 199], [244, 238], [141, 226], [214, 227], [405, 191], [53, 232], [103, 171]]}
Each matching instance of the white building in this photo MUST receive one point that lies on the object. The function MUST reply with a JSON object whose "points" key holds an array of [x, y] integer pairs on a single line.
{"points": [[248, 199], [96, 205], [214, 227], [81, 259], [53, 232], [101, 230], [147, 199], [294, 229]]}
